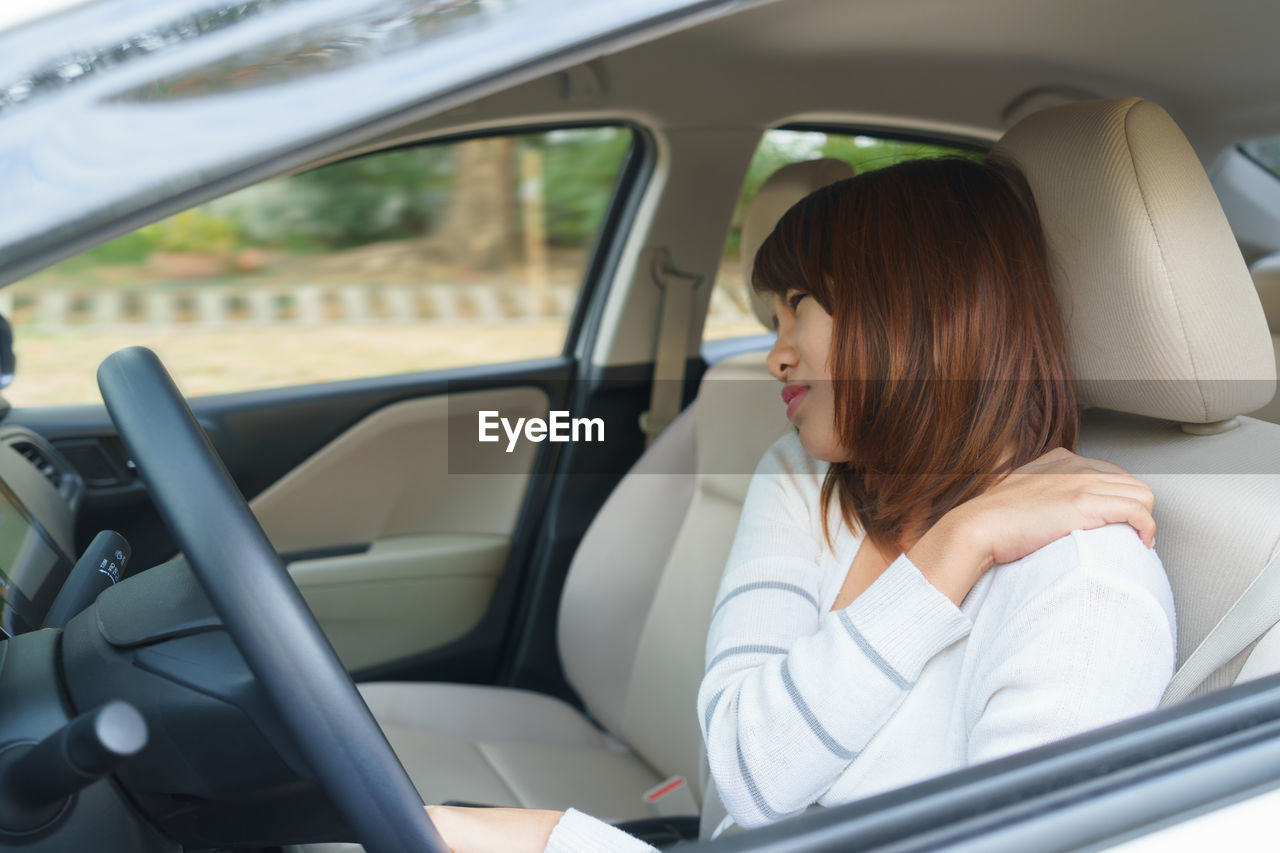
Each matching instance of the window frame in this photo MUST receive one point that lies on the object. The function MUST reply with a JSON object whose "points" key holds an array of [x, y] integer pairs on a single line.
{"points": [[602, 253]]}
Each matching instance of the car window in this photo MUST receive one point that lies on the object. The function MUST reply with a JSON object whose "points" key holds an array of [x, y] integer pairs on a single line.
{"points": [[730, 312], [1265, 152], [433, 256]]}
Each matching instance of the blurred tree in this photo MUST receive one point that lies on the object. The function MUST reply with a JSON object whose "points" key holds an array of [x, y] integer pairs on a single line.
{"points": [[385, 196], [478, 228], [580, 168]]}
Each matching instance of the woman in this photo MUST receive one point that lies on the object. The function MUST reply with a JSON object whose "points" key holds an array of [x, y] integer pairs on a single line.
{"points": [[905, 594], [870, 630]]}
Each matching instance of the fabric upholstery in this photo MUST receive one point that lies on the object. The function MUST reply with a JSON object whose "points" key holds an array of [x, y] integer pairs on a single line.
{"points": [[1164, 325], [632, 629], [1217, 510], [610, 587], [738, 415], [1161, 314]]}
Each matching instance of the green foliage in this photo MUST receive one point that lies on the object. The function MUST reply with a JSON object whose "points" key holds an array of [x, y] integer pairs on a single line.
{"points": [[866, 154], [193, 230], [132, 248], [394, 195], [580, 169], [406, 193]]}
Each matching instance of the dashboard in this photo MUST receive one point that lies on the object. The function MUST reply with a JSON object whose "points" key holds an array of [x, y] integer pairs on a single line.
{"points": [[39, 492]]}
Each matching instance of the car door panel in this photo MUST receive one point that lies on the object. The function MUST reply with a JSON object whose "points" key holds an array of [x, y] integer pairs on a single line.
{"points": [[403, 595], [437, 537], [399, 556]]}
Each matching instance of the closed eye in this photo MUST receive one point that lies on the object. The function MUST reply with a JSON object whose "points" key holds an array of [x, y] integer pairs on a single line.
{"points": [[794, 299]]}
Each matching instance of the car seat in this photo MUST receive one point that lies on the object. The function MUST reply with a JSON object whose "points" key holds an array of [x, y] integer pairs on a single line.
{"points": [[1169, 345], [633, 616]]}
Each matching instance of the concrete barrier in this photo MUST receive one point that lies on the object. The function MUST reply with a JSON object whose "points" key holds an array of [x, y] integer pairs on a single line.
{"points": [[226, 306]]}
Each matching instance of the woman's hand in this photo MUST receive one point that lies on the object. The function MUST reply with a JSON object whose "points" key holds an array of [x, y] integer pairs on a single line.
{"points": [[1042, 501], [483, 830]]}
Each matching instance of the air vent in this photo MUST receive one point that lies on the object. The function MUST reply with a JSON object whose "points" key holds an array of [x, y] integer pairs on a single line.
{"points": [[36, 457]]}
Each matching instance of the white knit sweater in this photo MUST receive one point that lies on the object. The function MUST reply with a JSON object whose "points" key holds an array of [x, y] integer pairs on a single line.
{"points": [[801, 704]]}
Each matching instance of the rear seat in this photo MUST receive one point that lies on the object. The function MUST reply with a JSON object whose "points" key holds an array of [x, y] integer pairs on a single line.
{"points": [[1266, 275]]}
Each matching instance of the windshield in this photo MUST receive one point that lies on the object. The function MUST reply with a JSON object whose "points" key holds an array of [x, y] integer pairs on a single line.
{"points": [[115, 113]]}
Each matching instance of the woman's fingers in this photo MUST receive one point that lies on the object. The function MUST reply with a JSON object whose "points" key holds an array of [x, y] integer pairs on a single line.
{"points": [[1062, 460], [1111, 508], [1103, 465], [1124, 487]]}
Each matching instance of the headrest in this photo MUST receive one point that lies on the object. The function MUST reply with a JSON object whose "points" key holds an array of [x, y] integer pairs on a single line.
{"points": [[775, 197], [1161, 315], [739, 414], [1266, 278]]}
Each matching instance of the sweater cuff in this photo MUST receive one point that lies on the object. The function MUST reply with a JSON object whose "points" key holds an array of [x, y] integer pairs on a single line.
{"points": [[576, 832], [905, 619]]}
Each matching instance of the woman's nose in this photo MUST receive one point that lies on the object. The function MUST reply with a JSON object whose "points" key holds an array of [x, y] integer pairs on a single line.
{"points": [[782, 357]]}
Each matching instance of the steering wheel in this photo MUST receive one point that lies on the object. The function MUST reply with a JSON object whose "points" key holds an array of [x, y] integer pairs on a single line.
{"points": [[262, 608]]}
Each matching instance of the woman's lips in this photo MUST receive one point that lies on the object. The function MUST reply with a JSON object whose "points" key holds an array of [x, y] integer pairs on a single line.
{"points": [[792, 395]]}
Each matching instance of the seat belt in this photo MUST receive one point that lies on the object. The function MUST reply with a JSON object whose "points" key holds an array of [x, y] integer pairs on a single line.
{"points": [[1255, 612], [667, 392]]}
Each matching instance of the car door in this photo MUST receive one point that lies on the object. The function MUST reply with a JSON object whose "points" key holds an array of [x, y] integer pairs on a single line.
{"points": [[342, 332]]}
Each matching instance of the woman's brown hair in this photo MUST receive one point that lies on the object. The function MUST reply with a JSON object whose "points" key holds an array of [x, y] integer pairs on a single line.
{"points": [[947, 354]]}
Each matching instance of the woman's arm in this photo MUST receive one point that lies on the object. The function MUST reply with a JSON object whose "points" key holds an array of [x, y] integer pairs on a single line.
{"points": [[792, 693]]}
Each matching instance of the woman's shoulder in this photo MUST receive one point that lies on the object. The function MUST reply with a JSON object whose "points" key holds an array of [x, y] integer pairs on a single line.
{"points": [[787, 477], [787, 467], [1112, 557]]}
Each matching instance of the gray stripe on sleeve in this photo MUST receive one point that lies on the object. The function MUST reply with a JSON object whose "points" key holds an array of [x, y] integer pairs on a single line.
{"points": [[816, 727], [781, 586], [745, 650], [872, 655], [754, 790], [711, 709]]}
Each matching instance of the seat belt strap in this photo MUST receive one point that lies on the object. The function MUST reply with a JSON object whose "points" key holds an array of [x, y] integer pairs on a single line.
{"points": [[667, 392], [1254, 613]]}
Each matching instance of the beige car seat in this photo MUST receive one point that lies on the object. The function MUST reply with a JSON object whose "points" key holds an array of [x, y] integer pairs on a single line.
{"points": [[1266, 278], [1169, 344]]}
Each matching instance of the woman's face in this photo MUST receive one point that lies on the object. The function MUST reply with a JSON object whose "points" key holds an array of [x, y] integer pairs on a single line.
{"points": [[799, 359]]}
